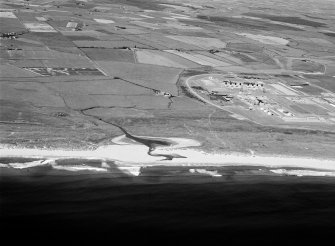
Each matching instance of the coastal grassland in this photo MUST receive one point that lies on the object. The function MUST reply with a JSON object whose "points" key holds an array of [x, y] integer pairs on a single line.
{"points": [[60, 123]]}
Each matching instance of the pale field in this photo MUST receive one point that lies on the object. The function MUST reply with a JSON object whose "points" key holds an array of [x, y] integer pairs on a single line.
{"points": [[104, 21], [39, 27], [4, 14], [205, 43], [199, 58], [162, 59], [265, 39]]}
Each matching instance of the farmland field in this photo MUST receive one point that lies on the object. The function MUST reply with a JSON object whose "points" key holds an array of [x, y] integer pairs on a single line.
{"points": [[121, 55], [109, 44], [156, 77], [205, 43], [163, 59], [200, 58]]}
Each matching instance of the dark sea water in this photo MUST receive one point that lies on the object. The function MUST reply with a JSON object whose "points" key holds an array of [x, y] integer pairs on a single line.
{"points": [[170, 209]]}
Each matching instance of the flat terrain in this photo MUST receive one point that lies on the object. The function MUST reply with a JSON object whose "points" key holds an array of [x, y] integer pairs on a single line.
{"points": [[74, 72]]}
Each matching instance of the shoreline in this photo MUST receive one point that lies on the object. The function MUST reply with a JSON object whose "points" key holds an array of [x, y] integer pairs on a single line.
{"points": [[124, 155]]}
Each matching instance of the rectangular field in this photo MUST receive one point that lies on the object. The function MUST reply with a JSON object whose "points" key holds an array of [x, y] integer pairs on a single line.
{"points": [[205, 43], [45, 71], [200, 59], [151, 76], [122, 55], [104, 21], [283, 90], [109, 44], [80, 101], [161, 42], [4, 14], [163, 59], [11, 25], [309, 109], [39, 27], [147, 24], [92, 35]]}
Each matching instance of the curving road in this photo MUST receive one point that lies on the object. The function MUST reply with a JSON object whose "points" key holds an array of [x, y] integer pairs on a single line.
{"points": [[206, 100]]}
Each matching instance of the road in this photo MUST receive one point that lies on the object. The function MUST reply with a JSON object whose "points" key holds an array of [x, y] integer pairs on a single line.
{"points": [[206, 100]]}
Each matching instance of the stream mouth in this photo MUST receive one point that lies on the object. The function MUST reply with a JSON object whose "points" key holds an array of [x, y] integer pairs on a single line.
{"points": [[133, 152], [152, 143]]}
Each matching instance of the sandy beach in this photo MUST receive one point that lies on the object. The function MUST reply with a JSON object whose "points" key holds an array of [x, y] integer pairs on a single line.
{"points": [[129, 153]]}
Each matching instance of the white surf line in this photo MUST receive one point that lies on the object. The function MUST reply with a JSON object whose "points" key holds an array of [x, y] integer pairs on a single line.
{"points": [[301, 173], [76, 168], [206, 172], [133, 171], [54, 165], [30, 164], [198, 158]]}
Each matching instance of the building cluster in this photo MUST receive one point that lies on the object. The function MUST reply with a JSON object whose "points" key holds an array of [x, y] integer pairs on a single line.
{"points": [[9, 35], [219, 96], [74, 26], [239, 84], [250, 91]]}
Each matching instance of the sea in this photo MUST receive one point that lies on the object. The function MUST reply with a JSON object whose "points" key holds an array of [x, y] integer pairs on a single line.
{"points": [[174, 205]]}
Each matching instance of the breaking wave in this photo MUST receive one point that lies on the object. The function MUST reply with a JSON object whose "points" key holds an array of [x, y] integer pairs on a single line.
{"points": [[24, 165], [76, 168], [206, 172], [301, 173], [54, 165]]}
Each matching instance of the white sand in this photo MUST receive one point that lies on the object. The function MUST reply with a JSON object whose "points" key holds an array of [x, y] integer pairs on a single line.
{"points": [[136, 155]]}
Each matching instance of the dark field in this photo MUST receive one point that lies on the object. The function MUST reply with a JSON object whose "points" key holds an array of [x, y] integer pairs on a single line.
{"points": [[330, 34], [143, 4], [122, 55], [245, 23], [65, 71], [310, 90], [288, 19], [276, 210]]}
